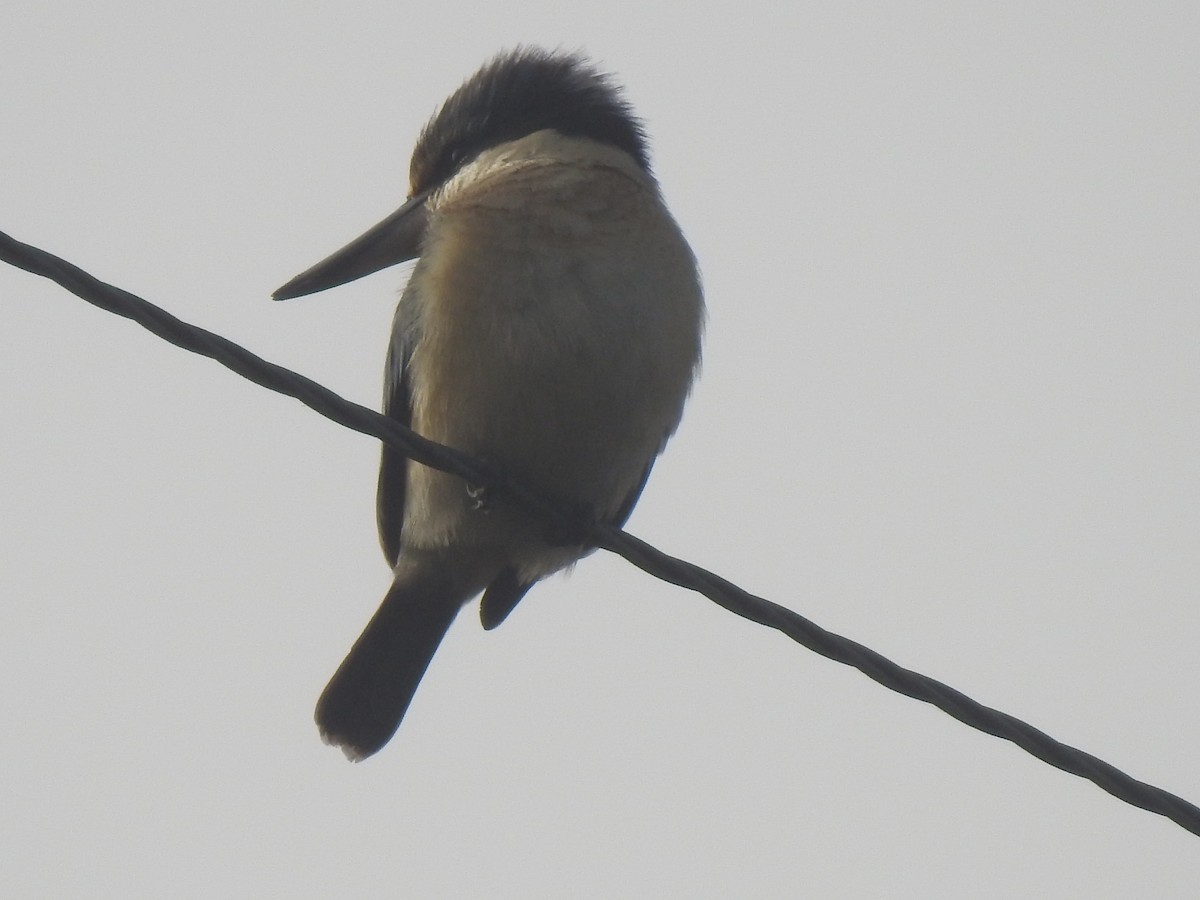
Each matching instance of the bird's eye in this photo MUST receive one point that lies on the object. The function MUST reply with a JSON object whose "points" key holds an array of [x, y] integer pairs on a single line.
{"points": [[450, 158]]}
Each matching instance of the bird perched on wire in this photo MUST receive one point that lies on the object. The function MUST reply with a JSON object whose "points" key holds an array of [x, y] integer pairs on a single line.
{"points": [[551, 327]]}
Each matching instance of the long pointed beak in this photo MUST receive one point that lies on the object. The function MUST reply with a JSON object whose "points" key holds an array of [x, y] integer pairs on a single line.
{"points": [[394, 240]]}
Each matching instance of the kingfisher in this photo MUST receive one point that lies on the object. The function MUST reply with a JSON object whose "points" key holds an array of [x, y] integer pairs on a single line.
{"points": [[550, 327]]}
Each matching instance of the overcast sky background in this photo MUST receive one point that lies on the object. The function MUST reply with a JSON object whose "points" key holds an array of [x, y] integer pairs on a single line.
{"points": [[950, 408]]}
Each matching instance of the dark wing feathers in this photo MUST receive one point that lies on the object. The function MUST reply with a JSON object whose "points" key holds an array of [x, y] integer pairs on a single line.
{"points": [[397, 403]]}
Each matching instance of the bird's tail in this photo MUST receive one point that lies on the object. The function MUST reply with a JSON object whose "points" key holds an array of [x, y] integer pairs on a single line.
{"points": [[361, 707]]}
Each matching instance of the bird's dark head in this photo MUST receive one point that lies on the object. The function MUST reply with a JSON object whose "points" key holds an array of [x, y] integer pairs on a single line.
{"points": [[515, 94]]}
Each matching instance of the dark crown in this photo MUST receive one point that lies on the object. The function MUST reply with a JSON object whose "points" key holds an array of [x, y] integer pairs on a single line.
{"points": [[515, 94]]}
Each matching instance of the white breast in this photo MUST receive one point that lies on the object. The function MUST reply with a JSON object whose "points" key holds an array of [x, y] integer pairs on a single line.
{"points": [[560, 328]]}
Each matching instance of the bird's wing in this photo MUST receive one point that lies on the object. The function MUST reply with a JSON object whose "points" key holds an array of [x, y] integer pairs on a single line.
{"points": [[506, 591], [397, 403]]}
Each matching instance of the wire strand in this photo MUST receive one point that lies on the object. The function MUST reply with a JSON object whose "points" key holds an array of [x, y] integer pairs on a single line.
{"points": [[676, 571]]}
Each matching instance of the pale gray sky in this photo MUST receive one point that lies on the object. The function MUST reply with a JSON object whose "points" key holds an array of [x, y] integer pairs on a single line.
{"points": [[949, 409]]}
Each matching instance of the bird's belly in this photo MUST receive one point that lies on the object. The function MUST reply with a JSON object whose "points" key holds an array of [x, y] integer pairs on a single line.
{"points": [[559, 349], [541, 400]]}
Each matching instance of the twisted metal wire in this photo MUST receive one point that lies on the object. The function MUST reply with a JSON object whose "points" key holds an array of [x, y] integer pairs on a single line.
{"points": [[676, 571]]}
